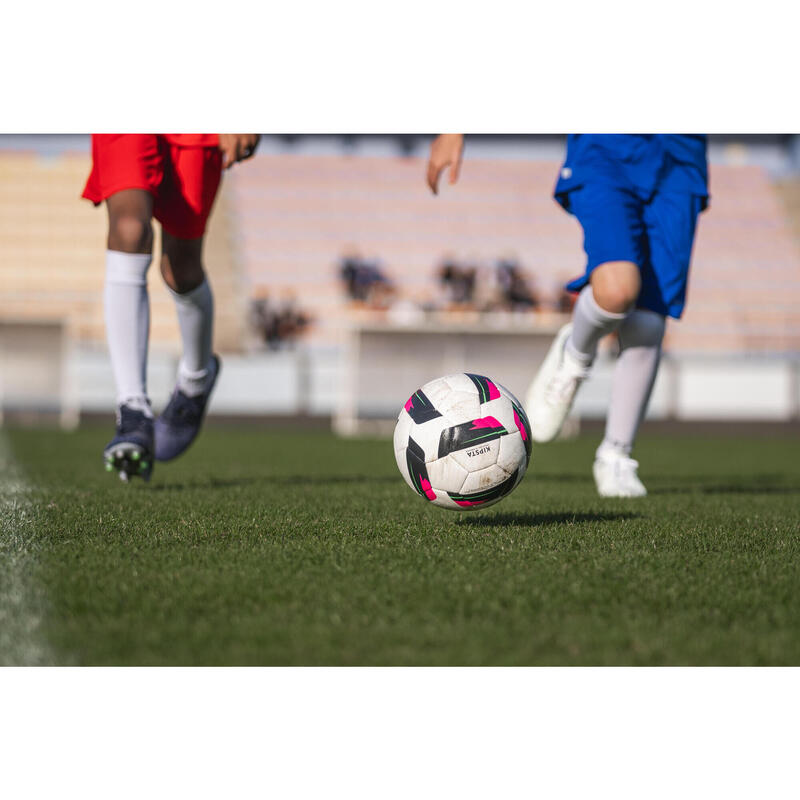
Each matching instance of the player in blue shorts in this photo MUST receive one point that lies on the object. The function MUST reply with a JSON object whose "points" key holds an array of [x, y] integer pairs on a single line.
{"points": [[637, 198]]}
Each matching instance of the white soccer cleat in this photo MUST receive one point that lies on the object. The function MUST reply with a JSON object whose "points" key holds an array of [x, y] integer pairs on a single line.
{"points": [[615, 476], [552, 391]]}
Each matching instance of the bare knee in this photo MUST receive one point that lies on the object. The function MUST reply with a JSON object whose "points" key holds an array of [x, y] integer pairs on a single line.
{"points": [[129, 227], [129, 233], [616, 286], [182, 263]]}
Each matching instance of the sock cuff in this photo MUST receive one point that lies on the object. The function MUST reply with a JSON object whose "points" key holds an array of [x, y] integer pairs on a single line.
{"points": [[193, 375], [611, 448], [200, 292], [129, 269], [642, 328], [600, 313]]}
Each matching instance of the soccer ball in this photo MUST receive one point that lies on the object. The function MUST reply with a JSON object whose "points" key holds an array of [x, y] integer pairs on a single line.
{"points": [[462, 441]]}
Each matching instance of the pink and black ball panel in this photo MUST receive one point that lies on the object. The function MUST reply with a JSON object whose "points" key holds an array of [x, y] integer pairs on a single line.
{"points": [[418, 472], [524, 427], [487, 496], [469, 434], [487, 390], [420, 408]]}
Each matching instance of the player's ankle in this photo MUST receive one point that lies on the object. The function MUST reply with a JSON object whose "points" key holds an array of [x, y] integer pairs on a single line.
{"points": [[610, 449], [576, 361], [194, 383], [139, 402]]}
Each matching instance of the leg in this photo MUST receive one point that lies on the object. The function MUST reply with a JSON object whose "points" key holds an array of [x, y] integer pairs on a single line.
{"points": [[670, 221], [640, 336], [190, 185], [602, 307], [127, 313], [614, 241], [614, 285], [182, 270], [127, 306], [640, 339]]}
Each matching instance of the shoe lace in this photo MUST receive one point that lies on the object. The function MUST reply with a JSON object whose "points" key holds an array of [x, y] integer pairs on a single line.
{"points": [[130, 419], [562, 387], [182, 408]]}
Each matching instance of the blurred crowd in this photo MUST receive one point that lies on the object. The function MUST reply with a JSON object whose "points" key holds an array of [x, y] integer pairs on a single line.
{"points": [[458, 285], [502, 285], [277, 323]]}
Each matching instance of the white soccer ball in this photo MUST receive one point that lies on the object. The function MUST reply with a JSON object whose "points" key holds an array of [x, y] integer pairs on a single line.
{"points": [[462, 441]]}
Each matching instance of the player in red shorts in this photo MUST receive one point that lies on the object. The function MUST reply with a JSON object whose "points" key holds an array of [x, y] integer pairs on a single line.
{"points": [[174, 178]]}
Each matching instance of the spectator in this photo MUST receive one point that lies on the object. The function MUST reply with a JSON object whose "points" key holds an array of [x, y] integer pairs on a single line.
{"points": [[278, 324], [458, 284], [365, 281], [515, 292]]}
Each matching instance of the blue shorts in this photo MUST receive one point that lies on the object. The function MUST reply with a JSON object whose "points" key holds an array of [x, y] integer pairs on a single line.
{"points": [[656, 233]]}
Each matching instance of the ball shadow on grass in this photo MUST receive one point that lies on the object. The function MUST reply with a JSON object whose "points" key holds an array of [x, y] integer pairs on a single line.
{"points": [[534, 520]]}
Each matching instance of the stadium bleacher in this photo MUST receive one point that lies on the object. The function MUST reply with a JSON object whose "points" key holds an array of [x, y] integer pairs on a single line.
{"points": [[283, 222], [52, 247], [296, 215]]}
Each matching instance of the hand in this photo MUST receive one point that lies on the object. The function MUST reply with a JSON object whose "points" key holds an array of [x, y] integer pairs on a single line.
{"points": [[237, 147], [447, 150]]}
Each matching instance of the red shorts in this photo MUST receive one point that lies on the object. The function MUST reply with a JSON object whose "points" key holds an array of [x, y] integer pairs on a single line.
{"points": [[182, 179]]}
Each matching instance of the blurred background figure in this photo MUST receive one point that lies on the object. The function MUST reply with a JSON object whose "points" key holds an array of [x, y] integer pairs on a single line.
{"points": [[516, 291], [457, 284], [365, 282], [278, 324]]}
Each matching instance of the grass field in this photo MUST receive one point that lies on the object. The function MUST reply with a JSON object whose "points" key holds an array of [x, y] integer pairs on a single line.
{"points": [[264, 547]]}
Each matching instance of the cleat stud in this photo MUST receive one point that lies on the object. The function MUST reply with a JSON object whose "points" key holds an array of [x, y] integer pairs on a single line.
{"points": [[136, 455], [119, 454], [145, 464], [123, 476], [109, 466]]}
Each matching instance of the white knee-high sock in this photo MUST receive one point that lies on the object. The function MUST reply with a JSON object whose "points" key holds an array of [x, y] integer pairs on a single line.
{"points": [[196, 321], [127, 314], [640, 339], [590, 324]]}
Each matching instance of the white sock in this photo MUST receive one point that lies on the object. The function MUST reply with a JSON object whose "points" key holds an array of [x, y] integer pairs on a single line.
{"points": [[127, 313], [640, 338], [590, 324], [196, 321]]}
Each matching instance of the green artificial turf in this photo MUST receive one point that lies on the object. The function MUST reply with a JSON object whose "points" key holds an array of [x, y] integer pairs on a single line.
{"points": [[263, 547]]}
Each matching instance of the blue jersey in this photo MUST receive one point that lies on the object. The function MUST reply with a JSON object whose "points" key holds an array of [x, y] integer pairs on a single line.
{"points": [[643, 163]]}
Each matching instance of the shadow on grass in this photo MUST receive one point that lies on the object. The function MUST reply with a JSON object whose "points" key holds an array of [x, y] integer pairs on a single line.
{"points": [[583, 477], [534, 520], [274, 480], [758, 484]]}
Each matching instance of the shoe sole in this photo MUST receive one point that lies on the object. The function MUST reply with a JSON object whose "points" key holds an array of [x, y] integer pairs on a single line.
{"points": [[535, 392], [129, 460]]}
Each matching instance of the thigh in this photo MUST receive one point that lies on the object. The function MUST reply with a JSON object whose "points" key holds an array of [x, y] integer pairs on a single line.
{"points": [[191, 180], [613, 227], [671, 220]]}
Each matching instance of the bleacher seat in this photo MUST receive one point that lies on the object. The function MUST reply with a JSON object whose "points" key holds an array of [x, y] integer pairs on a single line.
{"points": [[296, 215]]}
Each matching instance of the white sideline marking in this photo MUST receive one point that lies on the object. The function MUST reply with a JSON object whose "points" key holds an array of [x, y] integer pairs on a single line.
{"points": [[21, 600]]}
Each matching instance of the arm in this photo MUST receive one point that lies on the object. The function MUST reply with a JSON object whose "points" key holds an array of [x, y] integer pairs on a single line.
{"points": [[447, 150], [237, 147]]}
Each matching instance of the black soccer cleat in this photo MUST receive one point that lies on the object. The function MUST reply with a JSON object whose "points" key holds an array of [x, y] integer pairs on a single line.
{"points": [[131, 451], [180, 422]]}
